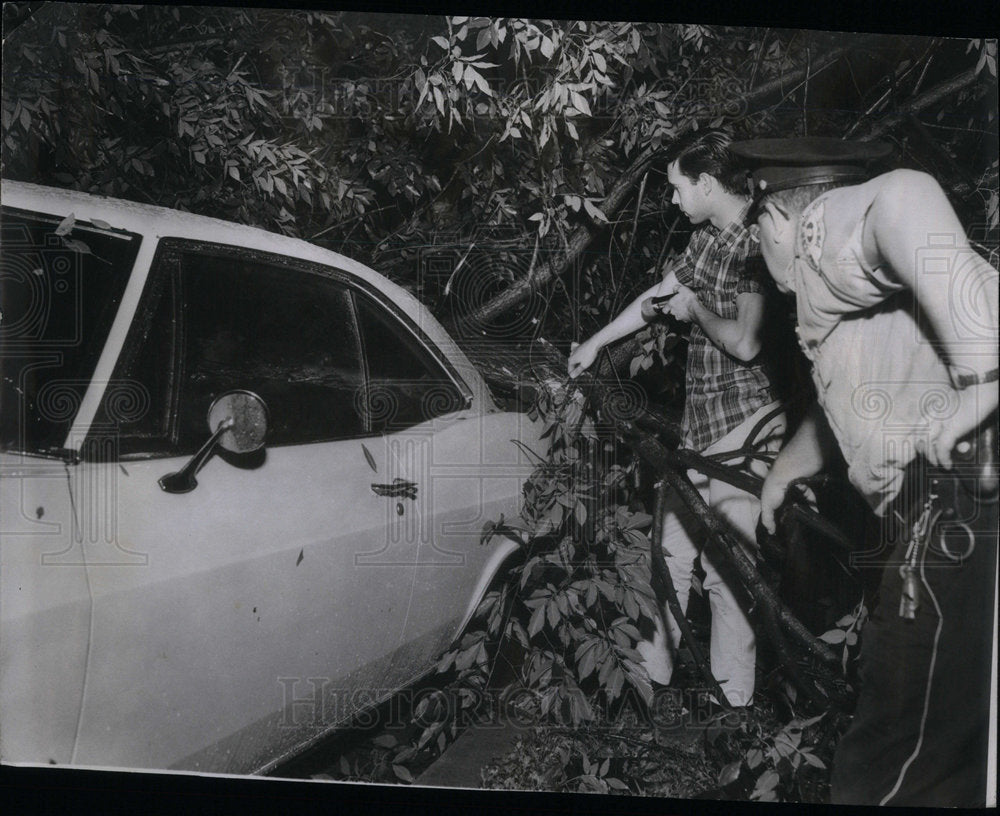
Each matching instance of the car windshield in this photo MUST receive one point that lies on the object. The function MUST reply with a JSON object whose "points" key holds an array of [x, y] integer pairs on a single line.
{"points": [[60, 286]]}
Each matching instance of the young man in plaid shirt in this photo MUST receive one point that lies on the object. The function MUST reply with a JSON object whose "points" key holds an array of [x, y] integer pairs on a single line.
{"points": [[717, 287]]}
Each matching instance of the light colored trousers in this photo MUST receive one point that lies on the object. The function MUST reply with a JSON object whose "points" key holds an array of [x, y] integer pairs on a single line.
{"points": [[733, 647]]}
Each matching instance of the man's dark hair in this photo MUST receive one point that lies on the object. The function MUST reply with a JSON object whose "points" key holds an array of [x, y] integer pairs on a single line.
{"points": [[707, 151]]}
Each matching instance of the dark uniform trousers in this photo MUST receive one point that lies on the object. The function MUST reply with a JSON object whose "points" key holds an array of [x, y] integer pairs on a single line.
{"points": [[920, 729]]}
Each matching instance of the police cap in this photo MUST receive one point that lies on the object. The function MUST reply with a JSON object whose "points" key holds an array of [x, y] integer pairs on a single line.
{"points": [[780, 164]]}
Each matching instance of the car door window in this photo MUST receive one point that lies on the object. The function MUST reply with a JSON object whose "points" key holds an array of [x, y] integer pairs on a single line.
{"points": [[406, 385], [290, 337], [217, 320]]}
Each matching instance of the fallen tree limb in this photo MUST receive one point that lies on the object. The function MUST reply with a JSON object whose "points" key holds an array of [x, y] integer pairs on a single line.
{"points": [[549, 361], [796, 77], [927, 99], [520, 290], [653, 452]]}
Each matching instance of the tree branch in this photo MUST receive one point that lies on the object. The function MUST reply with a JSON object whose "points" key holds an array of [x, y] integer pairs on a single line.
{"points": [[522, 289], [671, 465], [938, 93]]}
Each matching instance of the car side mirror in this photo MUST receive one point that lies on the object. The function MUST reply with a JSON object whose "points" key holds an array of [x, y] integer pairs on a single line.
{"points": [[238, 421]]}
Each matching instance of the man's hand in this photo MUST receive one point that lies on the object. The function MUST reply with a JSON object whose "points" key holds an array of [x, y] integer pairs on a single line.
{"points": [[582, 357], [682, 304], [772, 496], [803, 455], [976, 404]]}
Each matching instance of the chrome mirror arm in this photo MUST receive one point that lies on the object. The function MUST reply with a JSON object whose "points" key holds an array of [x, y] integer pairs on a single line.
{"points": [[183, 481]]}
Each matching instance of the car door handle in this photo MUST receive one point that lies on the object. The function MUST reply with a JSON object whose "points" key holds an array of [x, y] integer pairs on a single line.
{"points": [[400, 488]]}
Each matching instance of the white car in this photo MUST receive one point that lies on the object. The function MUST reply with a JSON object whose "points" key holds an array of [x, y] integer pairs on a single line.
{"points": [[243, 481]]}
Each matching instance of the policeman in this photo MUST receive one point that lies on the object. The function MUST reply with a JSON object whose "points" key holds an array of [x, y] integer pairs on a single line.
{"points": [[898, 317]]}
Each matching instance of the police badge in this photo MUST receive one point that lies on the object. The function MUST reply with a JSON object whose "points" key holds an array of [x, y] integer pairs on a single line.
{"points": [[812, 233]]}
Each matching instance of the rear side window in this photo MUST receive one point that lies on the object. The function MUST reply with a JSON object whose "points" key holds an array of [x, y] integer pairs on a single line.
{"points": [[406, 385], [60, 287]]}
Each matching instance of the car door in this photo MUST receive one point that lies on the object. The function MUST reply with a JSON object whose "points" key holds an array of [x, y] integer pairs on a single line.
{"points": [[249, 621], [469, 468]]}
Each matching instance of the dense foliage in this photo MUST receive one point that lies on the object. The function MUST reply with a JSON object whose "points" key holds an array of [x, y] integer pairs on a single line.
{"points": [[436, 149], [392, 136]]}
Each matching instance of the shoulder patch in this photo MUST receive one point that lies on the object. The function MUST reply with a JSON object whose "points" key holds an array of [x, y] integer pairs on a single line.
{"points": [[812, 234]]}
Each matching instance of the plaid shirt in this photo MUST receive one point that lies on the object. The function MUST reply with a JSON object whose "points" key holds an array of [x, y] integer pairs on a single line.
{"points": [[721, 391]]}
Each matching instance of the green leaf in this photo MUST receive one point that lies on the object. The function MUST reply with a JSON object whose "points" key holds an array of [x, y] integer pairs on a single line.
{"points": [[587, 664], [595, 212], [813, 760], [467, 657], [385, 741], [803, 724], [786, 744], [66, 225], [615, 683], [768, 781], [631, 607], [638, 521], [552, 614], [537, 621], [580, 103], [445, 663], [76, 246], [730, 773], [369, 458], [402, 772], [641, 684], [405, 755], [834, 636]]}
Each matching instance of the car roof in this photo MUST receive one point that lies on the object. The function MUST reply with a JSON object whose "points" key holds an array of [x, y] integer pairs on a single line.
{"points": [[161, 222]]}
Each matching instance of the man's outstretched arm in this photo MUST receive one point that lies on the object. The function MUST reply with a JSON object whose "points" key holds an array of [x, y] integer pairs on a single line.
{"points": [[630, 320]]}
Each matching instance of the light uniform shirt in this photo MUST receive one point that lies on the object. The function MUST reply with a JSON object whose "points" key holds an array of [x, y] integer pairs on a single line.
{"points": [[877, 374]]}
